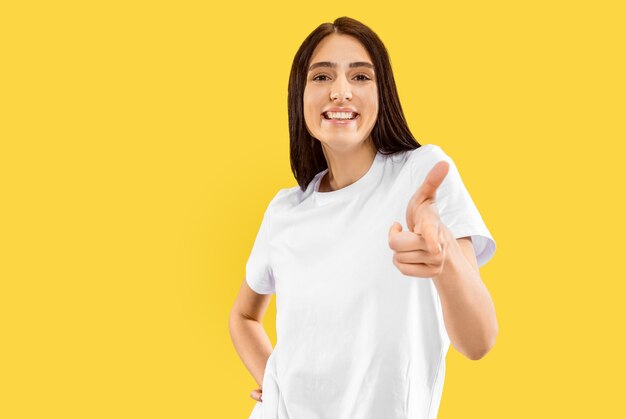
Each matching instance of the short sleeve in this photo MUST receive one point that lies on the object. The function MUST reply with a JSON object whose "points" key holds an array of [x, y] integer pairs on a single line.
{"points": [[258, 267], [455, 205]]}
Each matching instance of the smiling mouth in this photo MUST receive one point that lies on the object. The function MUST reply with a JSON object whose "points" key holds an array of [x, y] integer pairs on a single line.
{"points": [[340, 116]]}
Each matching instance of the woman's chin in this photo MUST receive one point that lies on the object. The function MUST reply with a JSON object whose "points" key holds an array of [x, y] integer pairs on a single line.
{"points": [[342, 144]]}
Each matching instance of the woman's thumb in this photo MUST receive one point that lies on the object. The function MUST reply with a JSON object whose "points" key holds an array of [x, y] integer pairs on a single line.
{"points": [[396, 227], [257, 394]]}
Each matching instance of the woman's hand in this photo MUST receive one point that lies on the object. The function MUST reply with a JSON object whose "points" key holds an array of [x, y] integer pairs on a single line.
{"points": [[420, 251], [257, 394]]}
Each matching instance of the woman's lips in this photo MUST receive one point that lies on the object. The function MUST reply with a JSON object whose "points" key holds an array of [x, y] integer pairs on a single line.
{"points": [[341, 121]]}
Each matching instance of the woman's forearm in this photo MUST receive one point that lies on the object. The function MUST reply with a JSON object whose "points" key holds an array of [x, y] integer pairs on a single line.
{"points": [[251, 343]]}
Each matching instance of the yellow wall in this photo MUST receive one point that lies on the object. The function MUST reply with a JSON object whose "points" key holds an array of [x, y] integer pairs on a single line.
{"points": [[140, 143]]}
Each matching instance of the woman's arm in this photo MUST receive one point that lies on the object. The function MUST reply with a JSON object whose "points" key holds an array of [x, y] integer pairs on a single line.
{"points": [[247, 332], [468, 310], [429, 250]]}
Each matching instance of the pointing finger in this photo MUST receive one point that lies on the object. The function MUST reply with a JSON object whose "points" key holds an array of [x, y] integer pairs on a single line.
{"points": [[434, 178]]}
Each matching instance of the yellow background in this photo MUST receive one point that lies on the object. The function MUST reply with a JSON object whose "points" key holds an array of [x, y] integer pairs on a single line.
{"points": [[142, 141]]}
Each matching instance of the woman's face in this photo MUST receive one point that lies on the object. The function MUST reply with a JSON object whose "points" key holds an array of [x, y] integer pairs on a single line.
{"points": [[346, 80]]}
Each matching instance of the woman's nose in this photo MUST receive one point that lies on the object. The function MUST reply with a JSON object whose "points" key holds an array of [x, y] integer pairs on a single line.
{"points": [[341, 89]]}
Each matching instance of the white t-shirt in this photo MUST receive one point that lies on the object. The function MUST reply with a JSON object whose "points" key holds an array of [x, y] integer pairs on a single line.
{"points": [[356, 338]]}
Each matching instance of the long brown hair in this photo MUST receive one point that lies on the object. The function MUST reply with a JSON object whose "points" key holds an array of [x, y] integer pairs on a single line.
{"points": [[390, 133]]}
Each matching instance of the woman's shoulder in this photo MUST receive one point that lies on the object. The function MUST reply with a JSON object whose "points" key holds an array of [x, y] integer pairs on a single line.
{"points": [[426, 156], [426, 151], [418, 157], [286, 198], [421, 160]]}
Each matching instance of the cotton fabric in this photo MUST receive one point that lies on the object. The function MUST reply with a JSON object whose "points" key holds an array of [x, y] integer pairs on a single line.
{"points": [[356, 338]]}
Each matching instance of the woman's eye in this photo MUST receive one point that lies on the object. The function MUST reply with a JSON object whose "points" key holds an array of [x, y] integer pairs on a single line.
{"points": [[363, 77]]}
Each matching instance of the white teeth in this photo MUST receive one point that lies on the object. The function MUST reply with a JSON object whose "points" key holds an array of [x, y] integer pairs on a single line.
{"points": [[341, 115]]}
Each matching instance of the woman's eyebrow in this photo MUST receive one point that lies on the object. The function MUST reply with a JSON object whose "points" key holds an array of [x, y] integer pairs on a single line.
{"points": [[333, 65]]}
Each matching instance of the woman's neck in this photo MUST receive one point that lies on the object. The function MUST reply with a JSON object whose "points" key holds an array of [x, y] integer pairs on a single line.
{"points": [[346, 168]]}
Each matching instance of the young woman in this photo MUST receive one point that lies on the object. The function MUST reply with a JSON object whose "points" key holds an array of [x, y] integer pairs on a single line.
{"points": [[366, 306]]}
